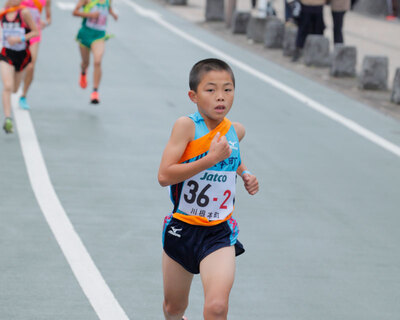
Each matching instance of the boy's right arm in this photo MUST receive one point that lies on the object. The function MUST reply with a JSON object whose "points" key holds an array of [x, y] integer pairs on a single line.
{"points": [[48, 14], [78, 13], [26, 15], [112, 12], [171, 171]]}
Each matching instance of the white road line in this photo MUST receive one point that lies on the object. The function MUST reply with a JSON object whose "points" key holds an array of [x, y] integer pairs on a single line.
{"points": [[350, 124], [82, 265], [67, 6]]}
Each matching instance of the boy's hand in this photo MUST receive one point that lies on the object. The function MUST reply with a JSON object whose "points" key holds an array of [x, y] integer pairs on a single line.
{"points": [[45, 24], [250, 183], [219, 148]]}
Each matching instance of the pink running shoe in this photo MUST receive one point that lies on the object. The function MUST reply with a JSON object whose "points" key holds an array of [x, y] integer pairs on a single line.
{"points": [[94, 97]]}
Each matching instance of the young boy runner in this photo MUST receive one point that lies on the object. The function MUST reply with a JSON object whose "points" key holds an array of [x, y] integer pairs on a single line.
{"points": [[35, 7], [17, 28], [91, 37], [200, 163]]}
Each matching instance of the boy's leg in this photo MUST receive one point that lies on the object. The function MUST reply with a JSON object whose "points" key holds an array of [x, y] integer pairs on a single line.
{"points": [[18, 76], [97, 48], [34, 49], [337, 17], [217, 272], [177, 283], [85, 56], [7, 76]]}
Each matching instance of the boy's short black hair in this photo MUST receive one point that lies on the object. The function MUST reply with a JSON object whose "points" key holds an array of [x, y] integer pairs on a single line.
{"points": [[204, 66]]}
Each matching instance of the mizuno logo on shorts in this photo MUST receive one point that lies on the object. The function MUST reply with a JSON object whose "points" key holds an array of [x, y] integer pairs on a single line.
{"points": [[174, 231]]}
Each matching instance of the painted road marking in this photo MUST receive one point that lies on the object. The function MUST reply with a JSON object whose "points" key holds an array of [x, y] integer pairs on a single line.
{"points": [[91, 281], [350, 124], [67, 6]]}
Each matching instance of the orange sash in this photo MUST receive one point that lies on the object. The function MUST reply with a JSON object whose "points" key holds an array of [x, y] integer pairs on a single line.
{"points": [[194, 149], [202, 145], [38, 5], [11, 9]]}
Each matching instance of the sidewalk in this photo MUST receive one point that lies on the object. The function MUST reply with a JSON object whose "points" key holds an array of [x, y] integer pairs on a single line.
{"points": [[371, 36]]}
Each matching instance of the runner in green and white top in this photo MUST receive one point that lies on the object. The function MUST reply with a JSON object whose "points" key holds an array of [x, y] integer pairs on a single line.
{"points": [[91, 37]]}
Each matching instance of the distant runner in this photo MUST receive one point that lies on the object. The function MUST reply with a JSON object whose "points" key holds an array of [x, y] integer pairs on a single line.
{"points": [[18, 27], [91, 37], [36, 8]]}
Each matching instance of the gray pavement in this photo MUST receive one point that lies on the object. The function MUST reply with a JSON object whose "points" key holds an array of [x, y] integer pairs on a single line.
{"points": [[371, 36], [321, 236]]}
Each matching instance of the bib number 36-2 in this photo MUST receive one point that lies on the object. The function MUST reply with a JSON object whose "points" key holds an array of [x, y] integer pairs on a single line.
{"points": [[209, 194]]}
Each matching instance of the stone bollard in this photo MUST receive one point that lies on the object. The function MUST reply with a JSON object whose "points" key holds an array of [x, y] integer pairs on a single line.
{"points": [[240, 20], [344, 61], [371, 7], [178, 2], [316, 51], [255, 28], [289, 40], [396, 88], [214, 10], [230, 8], [374, 73], [273, 35]]}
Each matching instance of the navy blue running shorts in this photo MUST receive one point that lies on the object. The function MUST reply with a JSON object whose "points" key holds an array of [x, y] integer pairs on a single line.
{"points": [[188, 244]]}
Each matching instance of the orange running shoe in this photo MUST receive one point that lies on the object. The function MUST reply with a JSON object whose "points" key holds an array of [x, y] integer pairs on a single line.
{"points": [[94, 97], [83, 81]]}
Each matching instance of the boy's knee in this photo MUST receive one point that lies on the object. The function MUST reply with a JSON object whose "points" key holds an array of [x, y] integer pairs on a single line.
{"points": [[97, 63], [174, 308], [8, 87], [30, 67], [216, 308]]}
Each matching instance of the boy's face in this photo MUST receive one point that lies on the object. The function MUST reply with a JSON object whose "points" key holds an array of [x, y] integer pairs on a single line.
{"points": [[214, 95]]}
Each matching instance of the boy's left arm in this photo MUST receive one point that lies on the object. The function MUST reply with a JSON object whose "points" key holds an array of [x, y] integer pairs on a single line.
{"points": [[47, 9], [249, 179], [111, 11]]}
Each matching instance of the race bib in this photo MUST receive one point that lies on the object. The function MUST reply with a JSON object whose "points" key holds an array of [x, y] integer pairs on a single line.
{"points": [[101, 22], [209, 194], [13, 30]]}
